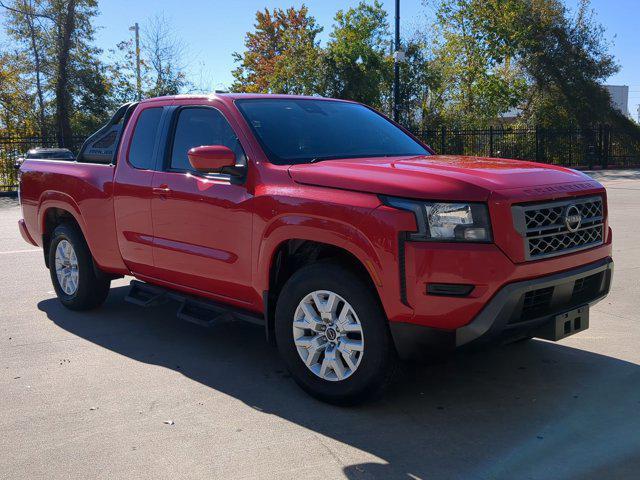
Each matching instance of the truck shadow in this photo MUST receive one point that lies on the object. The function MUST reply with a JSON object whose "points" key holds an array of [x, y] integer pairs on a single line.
{"points": [[530, 410]]}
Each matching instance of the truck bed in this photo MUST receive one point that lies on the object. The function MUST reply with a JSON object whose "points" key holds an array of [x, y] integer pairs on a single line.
{"points": [[83, 189]]}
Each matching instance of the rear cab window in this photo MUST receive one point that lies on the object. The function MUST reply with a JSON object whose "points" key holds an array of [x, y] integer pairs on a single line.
{"points": [[143, 142]]}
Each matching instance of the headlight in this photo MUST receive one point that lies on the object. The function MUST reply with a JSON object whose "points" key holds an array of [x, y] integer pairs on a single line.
{"points": [[445, 221]]}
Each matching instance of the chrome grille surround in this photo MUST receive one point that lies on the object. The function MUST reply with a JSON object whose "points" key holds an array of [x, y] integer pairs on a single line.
{"points": [[546, 233]]}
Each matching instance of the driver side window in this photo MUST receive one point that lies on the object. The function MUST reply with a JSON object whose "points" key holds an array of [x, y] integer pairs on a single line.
{"points": [[202, 126]]}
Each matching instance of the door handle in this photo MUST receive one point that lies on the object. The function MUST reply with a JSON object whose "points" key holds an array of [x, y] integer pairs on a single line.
{"points": [[162, 190]]}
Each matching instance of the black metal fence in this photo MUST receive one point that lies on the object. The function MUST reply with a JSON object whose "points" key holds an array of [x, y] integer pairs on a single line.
{"points": [[11, 148], [599, 147]]}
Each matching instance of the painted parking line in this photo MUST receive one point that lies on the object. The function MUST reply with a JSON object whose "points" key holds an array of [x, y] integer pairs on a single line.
{"points": [[11, 252]]}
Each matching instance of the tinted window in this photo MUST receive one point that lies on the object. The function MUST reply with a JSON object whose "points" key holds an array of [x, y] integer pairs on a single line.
{"points": [[202, 126], [144, 139], [303, 130], [106, 141], [51, 155]]}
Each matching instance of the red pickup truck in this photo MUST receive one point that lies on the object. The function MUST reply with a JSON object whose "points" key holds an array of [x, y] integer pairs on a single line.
{"points": [[345, 235]]}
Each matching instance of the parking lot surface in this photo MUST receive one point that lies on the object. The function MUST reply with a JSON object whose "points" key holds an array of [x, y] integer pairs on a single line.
{"points": [[126, 392]]}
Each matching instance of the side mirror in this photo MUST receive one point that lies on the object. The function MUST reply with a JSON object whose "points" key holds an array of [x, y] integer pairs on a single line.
{"points": [[211, 158]]}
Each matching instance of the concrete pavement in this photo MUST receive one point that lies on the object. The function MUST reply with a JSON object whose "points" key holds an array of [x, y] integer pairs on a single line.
{"points": [[126, 392]]}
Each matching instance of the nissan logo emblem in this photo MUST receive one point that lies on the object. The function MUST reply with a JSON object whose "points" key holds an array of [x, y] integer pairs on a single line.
{"points": [[572, 218]]}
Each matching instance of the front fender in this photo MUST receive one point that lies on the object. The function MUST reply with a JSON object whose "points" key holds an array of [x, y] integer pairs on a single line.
{"points": [[317, 229]]}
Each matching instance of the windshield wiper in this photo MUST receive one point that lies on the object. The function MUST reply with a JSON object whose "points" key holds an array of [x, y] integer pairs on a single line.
{"points": [[328, 157], [363, 155]]}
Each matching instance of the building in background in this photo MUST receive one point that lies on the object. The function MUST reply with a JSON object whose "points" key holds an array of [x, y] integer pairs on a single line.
{"points": [[619, 97]]}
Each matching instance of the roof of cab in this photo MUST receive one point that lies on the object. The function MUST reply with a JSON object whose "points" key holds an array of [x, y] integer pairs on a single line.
{"points": [[230, 97]]}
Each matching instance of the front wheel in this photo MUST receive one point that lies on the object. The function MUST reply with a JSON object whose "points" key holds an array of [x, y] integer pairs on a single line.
{"points": [[74, 278], [333, 335]]}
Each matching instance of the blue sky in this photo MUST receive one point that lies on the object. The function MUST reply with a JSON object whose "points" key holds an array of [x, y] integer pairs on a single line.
{"points": [[212, 29]]}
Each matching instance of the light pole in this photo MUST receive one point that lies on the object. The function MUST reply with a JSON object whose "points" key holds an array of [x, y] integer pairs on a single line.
{"points": [[398, 55], [136, 28]]}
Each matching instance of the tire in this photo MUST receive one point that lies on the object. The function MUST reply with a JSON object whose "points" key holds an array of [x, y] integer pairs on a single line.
{"points": [[374, 365], [90, 289]]}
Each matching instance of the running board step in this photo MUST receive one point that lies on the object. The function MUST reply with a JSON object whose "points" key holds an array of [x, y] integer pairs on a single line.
{"points": [[202, 314], [145, 295], [200, 311]]}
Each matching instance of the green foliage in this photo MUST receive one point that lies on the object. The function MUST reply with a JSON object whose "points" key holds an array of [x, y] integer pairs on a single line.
{"points": [[357, 61], [17, 116], [478, 60], [122, 72], [418, 80], [564, 57], [494, 55], [479, 79], [62, 70], [282, 54]]}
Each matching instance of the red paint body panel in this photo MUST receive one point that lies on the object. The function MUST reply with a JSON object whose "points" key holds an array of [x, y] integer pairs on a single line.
{"points": [[446, 177], [202, 235], [132, 206], [216, 237], [211, 158], [24, 233], [484, 266], [86, 192]]}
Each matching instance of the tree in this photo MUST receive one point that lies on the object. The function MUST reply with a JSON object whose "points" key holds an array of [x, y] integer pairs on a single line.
{"points": [[567, 60], [26, 28], [162, 64], [122, 72], [64, 14], [418, 81], [282, 54], [164, 55], [57, 37], [16, 104], [357, 66], [480, 81], [534, 55]]}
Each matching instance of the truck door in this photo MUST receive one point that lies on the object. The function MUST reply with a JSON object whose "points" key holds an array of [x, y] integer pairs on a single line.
{"points": [[133, 192], [202, 223]]}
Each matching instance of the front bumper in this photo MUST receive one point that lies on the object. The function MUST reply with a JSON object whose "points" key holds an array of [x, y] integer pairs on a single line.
{"points": [[518, 309], [523, 306]]}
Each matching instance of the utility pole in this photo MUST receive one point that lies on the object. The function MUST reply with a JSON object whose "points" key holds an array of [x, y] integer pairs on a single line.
{"points": [[398, 56], [136, 28]]}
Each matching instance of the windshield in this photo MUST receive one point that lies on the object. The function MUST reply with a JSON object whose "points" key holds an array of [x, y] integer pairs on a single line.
{"points": [[308, 130]]}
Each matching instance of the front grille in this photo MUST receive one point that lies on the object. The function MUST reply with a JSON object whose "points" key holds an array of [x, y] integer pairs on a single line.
{"points": [[546, 230], [549, 244]]}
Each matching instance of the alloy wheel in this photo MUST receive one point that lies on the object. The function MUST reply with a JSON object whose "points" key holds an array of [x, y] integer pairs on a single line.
{"points": [[328, 335], [66, 266]]}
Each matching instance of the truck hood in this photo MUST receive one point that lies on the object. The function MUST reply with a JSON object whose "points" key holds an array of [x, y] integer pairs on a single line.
{"points": [[436, 177]]}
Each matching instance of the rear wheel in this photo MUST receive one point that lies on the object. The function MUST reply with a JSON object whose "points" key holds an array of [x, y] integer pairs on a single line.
{"points": [[74, 278], [333, 335]]}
